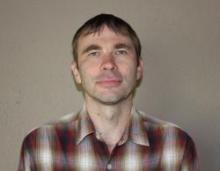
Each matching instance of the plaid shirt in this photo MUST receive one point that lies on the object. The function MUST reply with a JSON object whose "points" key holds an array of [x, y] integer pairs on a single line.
{"points": [[71, 144]]}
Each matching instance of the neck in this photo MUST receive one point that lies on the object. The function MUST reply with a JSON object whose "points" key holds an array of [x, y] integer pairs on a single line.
{"points": [[110, 114], [110, 121]]}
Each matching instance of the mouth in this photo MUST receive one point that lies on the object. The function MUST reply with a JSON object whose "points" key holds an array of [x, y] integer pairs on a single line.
{"points": [[109, 82]]}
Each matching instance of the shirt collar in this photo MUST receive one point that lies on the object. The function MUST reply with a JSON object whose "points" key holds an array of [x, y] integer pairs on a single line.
{"points": [[85, 126], [136, 132]]}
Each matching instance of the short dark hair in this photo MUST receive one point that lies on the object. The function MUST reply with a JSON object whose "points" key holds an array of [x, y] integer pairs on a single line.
{"points": [[114, 23]]}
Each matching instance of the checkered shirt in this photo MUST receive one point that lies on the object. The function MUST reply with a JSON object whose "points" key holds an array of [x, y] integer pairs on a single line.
{"points": [[71, 144]]}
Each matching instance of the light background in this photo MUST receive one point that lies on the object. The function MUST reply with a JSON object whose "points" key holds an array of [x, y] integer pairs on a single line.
{"points": [[181, 48]]}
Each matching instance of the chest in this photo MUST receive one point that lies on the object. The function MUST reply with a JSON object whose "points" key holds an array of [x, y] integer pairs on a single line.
{"points": [[93, 155]]}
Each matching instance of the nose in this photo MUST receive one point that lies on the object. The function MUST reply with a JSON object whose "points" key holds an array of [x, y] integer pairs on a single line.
{"points": [[108, 63]]}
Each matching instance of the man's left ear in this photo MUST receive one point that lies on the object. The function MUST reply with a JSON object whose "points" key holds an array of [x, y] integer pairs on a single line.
{"points": [[140, 69]]}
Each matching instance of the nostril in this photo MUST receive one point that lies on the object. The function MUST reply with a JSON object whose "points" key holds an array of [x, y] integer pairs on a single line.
{"points": [[109, 66], [109, 63]]}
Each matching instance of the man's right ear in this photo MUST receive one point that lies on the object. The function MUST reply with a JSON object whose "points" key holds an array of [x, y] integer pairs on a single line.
{"points": [[76, 73]]}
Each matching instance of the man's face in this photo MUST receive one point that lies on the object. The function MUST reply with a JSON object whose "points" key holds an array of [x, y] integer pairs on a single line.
{"points": [[107, 66]]}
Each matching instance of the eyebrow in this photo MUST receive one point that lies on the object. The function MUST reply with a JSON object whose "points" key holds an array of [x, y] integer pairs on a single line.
{"points": [[97, 47], [123, 45], [91, 47]]}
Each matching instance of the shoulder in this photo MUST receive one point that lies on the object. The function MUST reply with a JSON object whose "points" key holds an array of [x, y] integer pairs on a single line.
{"points": [[176, 146], [163, 131], [51, 129]]}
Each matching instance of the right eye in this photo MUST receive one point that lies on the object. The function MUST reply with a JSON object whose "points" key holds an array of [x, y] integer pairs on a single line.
{"points": [[93, 53]]}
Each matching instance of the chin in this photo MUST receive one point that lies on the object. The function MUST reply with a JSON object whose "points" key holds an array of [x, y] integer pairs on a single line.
{"points": [[112, 100]]}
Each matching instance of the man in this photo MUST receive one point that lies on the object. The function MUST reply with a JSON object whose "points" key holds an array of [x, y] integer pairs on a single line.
{"points": [[108, 133]]}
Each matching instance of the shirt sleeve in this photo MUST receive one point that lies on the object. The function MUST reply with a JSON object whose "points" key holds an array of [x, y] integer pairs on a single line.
{"points": [[190, 158], [25, 158]]}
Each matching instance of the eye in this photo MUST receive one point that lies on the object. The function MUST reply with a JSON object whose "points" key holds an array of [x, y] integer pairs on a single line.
{"points": [[93, 53], [121, 52]]}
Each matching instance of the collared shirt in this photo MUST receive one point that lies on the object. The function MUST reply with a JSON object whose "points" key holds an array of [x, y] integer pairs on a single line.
{"points": [[72, 144]]}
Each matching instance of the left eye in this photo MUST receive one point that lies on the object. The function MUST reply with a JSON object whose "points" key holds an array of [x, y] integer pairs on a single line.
{"points": [[121, 52]]}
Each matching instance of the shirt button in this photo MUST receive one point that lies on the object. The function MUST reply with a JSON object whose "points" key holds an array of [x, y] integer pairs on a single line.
{"points": [[109, 167]]}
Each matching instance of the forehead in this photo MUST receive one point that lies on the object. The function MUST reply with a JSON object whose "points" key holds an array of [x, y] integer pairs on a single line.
{"points": [[104, 37]]}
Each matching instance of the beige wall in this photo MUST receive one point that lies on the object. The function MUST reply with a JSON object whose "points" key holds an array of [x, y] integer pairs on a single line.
{"points": [[181, 51]]}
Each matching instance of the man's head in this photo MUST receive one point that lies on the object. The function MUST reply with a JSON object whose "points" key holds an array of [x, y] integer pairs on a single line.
{"points": [[107, 61], [97, 23]]}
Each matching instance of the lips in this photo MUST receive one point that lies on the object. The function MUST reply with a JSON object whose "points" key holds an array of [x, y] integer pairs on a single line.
{"points": [[109, 82]]}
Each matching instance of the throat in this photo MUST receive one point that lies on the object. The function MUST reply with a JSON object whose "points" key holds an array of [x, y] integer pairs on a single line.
{"points": [[113, 137], [110, 143], [110, 122], [111, 148]]}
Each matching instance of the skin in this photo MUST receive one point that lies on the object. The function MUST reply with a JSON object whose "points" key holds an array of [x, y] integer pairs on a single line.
{"points": [[108, 72]]}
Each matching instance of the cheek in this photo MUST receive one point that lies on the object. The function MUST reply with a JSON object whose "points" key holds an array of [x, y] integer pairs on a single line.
{"points": [[129, 69], [130, 75], [87, 73], [88, 65]]}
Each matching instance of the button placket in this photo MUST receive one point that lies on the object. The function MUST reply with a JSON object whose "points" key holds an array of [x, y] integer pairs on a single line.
{"points": [[109, 166]]}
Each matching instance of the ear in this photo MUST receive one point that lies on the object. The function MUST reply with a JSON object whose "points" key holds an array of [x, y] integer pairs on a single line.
{"points": [[140, 69], [75, 72]]}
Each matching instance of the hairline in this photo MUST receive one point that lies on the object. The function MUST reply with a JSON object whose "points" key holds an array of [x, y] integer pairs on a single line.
{"points": [[114, 23], [88, 31]]}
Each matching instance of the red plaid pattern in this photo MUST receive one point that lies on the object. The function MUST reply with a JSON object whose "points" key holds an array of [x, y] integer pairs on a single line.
{"points": [[71, 144]]}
